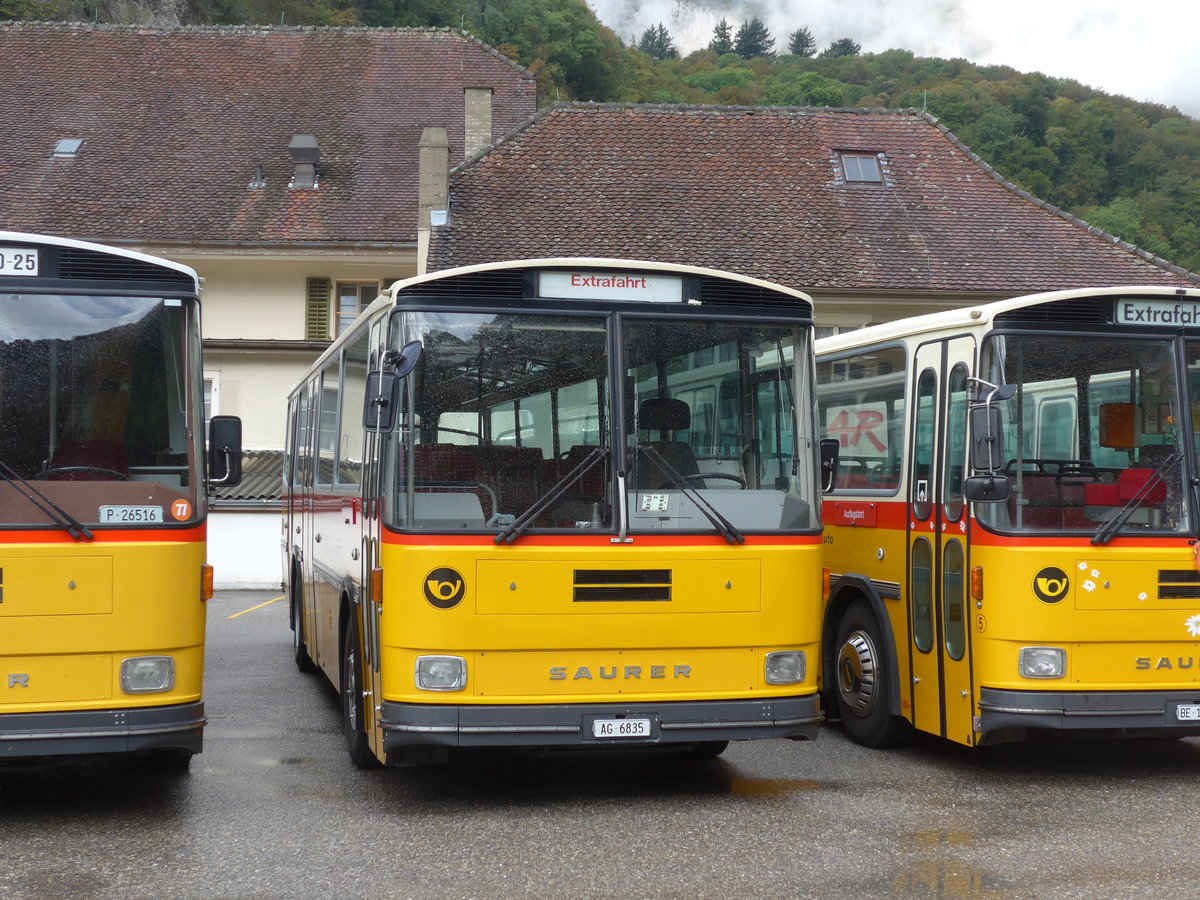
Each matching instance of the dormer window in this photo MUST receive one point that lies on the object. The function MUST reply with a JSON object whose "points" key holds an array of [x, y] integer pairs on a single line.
{"points": [[861, 168], [67, 148]]}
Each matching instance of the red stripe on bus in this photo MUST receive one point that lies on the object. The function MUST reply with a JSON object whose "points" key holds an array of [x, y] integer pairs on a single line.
{"points": [[136, 536], [544, 540]]}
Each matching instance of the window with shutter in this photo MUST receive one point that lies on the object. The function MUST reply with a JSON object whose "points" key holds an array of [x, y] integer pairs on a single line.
{"points": [[316, 312]]}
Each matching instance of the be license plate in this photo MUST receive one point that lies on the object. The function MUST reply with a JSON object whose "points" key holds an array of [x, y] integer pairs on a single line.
{"points": [[18, 262], [1188, 712], [130, 515], [621, 728]]}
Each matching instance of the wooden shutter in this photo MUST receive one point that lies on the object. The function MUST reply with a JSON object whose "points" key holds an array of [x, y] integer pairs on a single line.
{"points": [[317, 309]]}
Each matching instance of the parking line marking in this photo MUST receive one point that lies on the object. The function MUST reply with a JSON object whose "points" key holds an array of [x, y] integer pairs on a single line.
{"points": [[253, 608]]}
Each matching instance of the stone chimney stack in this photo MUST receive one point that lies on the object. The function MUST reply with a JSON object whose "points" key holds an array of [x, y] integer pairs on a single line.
{"points": [[433, 189], [305, 154]]}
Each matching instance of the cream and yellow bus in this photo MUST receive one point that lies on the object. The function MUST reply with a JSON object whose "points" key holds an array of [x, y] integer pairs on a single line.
{"points": [[560, 503], [103, 576], [1012, 535]]}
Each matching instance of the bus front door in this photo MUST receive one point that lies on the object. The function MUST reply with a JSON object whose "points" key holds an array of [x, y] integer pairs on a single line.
{"points": [[941, 692]]}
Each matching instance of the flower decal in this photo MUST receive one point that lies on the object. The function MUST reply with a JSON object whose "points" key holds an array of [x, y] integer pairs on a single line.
{"points": [[1193, 625], [1088, 586]]}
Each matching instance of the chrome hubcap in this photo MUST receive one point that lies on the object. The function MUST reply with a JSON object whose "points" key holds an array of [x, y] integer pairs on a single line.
{"points": [[856, 673]]}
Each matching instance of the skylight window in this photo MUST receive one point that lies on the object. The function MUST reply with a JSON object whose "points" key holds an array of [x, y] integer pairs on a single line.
{"points": [[861, 168], [67, 148]]}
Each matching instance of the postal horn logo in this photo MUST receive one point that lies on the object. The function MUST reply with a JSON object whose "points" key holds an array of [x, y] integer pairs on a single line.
{"points": [[444, 588], [1051, 584]]}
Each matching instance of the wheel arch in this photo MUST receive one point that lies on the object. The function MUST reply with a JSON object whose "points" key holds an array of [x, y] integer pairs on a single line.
{"points": [[845, 591]]}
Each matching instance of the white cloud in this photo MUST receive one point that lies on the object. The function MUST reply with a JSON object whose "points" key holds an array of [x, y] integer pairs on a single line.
{"points": [[1144, 50]]}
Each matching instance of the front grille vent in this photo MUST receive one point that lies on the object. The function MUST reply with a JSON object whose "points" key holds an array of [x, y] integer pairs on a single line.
{"points": [[78, 264], [622, 585], [1080, 311], [1178, 584], [505, 284], [719, 290]]}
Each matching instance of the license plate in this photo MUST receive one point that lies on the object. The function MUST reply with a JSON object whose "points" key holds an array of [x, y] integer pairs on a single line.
{"points": [[18, 262], [130, 515], [1188, 712], [621, 728]]}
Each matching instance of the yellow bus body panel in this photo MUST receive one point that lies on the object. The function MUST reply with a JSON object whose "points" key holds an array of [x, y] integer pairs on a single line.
{"points": [[1122, 636], [70, 613], [528, 640]]}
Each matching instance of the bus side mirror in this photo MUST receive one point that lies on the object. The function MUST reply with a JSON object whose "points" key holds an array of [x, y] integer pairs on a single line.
{"points": [[987, 439], [224, 451], [990, 488], [381, 401], [830, 449]]}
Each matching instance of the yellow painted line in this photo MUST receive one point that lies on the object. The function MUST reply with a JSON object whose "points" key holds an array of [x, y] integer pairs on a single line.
{"points": [[253, 608]]}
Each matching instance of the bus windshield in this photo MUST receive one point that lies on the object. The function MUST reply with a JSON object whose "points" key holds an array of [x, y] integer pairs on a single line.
{"points": [[1093, 435], [509, 418], [94, 409]]}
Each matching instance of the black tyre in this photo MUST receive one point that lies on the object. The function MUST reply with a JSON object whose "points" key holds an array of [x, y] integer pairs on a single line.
{"points": [[169, 759], [304, 662], [862, 683], [357, 744], [705, 749]]}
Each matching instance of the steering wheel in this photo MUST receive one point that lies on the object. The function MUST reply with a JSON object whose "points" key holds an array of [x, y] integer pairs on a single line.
{"points": [[107, 474], [728, 476]]}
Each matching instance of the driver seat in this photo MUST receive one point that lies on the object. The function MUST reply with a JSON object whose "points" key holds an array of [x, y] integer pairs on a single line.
{"points": [[88, 454], [666, 415]]}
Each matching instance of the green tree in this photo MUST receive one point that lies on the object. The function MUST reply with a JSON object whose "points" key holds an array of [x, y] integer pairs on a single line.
{"points": [[753, 39], [801, 43], [722, 39], [804, 89], [841, 47], [656, 43]]}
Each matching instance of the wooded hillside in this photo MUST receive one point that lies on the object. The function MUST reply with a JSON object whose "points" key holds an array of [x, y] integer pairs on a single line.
{"points": [[1131, 168]]}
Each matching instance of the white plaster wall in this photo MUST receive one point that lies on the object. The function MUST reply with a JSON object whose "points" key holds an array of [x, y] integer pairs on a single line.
{"points": [[244, 550], [255, 386]]}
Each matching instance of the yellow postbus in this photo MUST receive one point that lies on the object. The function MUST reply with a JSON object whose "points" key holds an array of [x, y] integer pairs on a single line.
{"points": [[1012, 536], [560, 503], [103, 576]]}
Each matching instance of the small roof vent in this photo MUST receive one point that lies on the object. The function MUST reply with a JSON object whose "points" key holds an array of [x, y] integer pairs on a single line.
{"points": [[67, 148], [306, 153]]}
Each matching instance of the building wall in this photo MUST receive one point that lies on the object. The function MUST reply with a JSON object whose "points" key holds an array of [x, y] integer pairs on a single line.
{"points": [[244, 549]]}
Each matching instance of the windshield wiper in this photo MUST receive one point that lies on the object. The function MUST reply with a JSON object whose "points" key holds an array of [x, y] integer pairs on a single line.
{"points": [[727, 529], [1109, 528], [59, 516], [527, 518]]}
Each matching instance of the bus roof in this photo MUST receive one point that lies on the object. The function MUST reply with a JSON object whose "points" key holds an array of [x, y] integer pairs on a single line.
{"points": [[22, 237], [591, 262], [981, 316]]}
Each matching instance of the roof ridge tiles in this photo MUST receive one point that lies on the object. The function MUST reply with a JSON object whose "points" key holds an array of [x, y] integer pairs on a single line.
{"points": [[144, 29]]}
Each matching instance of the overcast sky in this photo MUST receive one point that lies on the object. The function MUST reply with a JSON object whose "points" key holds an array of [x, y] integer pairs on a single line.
{"points": [[1144, 49]]}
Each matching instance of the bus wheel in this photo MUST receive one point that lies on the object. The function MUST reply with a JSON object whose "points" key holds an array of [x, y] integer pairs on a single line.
{"points": [[357, 744], [169, 759], [299, 646], [705, 749], [861, 677]]}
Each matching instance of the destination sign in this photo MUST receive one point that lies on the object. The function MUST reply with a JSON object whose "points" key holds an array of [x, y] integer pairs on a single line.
{"points": [[1144, 311], [611, 285]]}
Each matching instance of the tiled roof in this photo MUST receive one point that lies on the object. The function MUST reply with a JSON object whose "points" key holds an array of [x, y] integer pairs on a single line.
{"points": [[175, 120], [760, 191], [262, 478]]}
